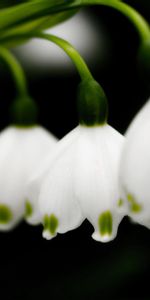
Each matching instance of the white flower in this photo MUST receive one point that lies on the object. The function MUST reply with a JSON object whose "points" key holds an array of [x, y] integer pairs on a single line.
{"points": [[32, 191], [82, 182], [21, 150], [135, 167], [35, 181]]}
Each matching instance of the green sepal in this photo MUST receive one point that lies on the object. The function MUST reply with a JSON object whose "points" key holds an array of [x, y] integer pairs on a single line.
{"points": [[23, 112], [92, 103], [144, 62]]}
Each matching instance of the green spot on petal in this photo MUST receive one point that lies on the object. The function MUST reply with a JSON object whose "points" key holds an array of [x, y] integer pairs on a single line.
{"points": [[5, 214], [120, 202], [134, 206], [28, 209], [105, 223], [50, 223]]}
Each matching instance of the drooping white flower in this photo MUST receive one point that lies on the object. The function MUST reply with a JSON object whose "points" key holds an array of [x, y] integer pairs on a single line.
{"points": [[82, 182], [135, 167], [35, 180], [21, 150]]}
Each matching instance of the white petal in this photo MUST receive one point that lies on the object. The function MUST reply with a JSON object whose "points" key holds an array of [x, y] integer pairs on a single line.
{"points": [[20, 151], [37, 178], [96, 181], [135, 167], [57, 196], [47, 235]]}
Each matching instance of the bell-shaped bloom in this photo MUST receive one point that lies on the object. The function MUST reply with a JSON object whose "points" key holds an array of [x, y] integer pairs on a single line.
{"points": [[82, 182], [21, 150], [35, 181], [135, 167]]}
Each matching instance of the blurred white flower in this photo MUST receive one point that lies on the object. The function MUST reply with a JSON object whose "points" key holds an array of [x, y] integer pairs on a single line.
{"points": [[21, 150], [82, 182], [135, 167]]}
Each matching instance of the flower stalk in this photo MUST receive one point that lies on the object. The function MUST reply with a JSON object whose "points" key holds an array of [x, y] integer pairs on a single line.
{"points": [[137, 20], [24, 13], [92, 101], [23, 110], [16, 71], [74, 55]]}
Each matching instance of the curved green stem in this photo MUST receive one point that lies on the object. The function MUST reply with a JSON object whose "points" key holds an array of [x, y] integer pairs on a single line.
{"points": [[26, 12], [74, 55], [78, 61], [16, 70], [92, 101], [138, 21]]}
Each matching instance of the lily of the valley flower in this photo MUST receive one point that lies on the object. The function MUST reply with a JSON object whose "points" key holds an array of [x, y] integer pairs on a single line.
{"points": [[21, 150], [82, 182], [135, 167]]}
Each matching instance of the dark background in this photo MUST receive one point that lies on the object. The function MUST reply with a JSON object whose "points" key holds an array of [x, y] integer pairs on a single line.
{"points": [[73, 266]]}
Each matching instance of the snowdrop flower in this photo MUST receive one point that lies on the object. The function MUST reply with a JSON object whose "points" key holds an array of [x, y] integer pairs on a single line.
{"points": [[82, 181], [21, 150], [35, 181], [135, 167], [96, 181]]}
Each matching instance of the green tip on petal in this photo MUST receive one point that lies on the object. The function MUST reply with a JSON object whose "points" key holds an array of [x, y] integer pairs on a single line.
{"points": [[92, 104], [28, 209], [120, 202], [134, 206], [105, 223], [50, 223], [5, 214]]}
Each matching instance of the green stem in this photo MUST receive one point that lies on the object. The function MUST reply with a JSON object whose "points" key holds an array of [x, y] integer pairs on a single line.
{"points": [[74, 55], [27, 11], [70, 51], [92, 102], [16, 70], [12, 17], [138, 21]]}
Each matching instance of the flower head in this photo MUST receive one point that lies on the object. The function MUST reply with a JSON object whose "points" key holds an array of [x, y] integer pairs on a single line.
{"points": [[81, 178], [21, 149], [135, 167], [96, 181], [53, 181], [82, 182]]}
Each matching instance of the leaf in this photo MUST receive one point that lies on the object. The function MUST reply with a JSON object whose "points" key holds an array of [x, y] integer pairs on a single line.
{"points": [[7, 39], [30, 11], [40, 23], [7, 3]]}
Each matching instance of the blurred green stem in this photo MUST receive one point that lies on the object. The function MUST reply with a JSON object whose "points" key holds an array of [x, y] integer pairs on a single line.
{"points": [[16, 70], [11, 17], [138, 21], [78, 61], [74, 55]]}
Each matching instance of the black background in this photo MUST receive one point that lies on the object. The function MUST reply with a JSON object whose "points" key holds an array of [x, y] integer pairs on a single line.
{"points": [[73, 266]]}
